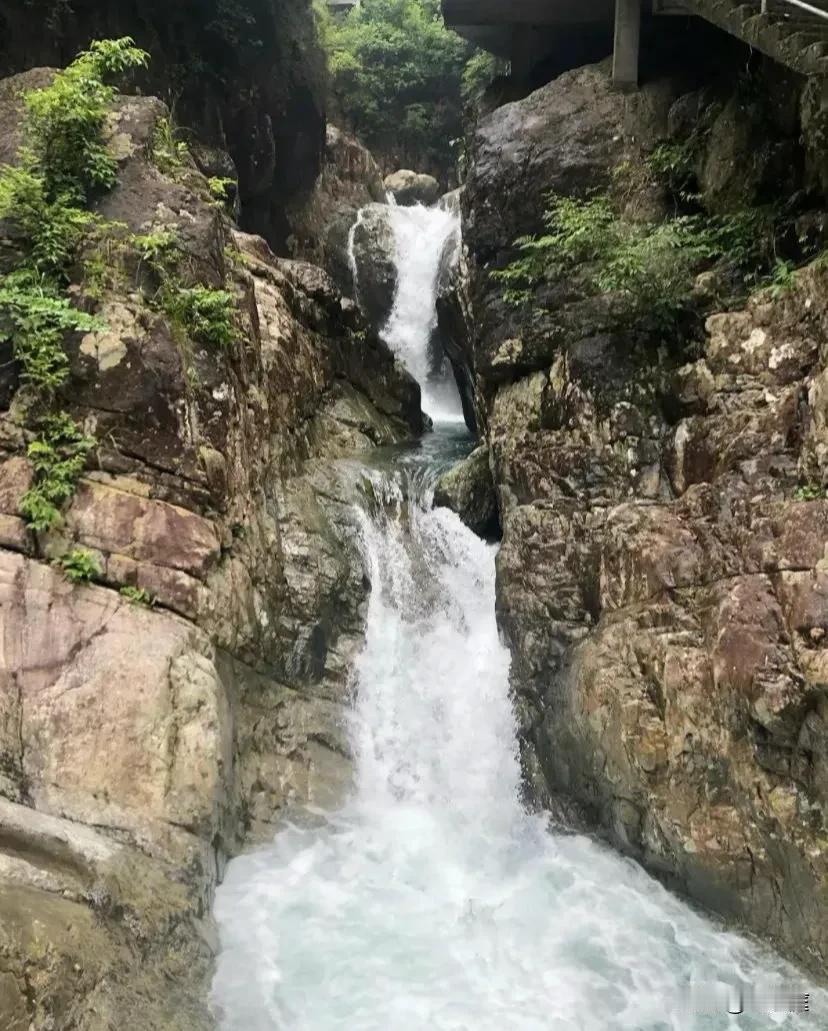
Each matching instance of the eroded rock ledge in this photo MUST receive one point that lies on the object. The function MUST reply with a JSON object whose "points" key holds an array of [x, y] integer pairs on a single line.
{"points": [[140, 747]]}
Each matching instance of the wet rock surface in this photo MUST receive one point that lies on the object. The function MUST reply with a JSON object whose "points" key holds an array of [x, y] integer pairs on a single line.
{"points": [[661, 574], [143, 744], [375, 249], [350, 179], [454, 332], [468, 490]]}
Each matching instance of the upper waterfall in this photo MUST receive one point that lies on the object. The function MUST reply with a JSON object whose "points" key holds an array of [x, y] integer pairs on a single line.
{"points": [[421, 236]]}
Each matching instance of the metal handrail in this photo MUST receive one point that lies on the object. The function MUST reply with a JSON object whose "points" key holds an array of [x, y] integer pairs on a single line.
{"points": [[802, 5]]}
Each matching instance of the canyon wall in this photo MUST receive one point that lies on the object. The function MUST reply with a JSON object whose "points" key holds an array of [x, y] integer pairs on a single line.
{"points": [[157, 718], [662, 577]]}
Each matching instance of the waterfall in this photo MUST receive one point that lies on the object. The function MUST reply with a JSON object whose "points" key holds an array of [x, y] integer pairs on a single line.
{"points": [[432, 901], [352, 261], [421, 236]]}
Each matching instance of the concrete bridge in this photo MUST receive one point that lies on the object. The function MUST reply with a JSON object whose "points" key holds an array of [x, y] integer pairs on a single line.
{"points": [[793, 32]]}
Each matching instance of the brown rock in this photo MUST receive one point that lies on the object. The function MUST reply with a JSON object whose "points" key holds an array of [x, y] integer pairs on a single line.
{"points": [[114, 521]]}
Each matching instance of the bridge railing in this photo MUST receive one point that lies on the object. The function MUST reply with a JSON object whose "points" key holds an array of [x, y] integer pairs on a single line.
{"points": [[791, 7]]}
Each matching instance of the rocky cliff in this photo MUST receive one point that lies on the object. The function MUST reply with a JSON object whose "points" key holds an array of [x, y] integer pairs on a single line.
{"points": [[158, 716], [662, 578], [244, 78]]}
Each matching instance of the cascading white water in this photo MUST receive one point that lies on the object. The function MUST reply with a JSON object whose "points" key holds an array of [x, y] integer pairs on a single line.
{"points": [[432, 901], [421, 235]]}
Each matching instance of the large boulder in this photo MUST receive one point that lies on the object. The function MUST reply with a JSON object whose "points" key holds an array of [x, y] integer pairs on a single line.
{"points": [[661, 588], [566, 138], [374, 255], [409, 188], [454, 332], [468, 490], [350, 179]]}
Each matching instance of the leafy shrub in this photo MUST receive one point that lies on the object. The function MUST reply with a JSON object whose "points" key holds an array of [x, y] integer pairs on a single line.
{"points": [[63, 160], [65, 121], [58, 456], [79, 565], [782, 278], [137, 595], [159, 250], [206, 314], [810, 492], [34, 316], [219, 187], [169, 153], [481, 70], [651, 266]]}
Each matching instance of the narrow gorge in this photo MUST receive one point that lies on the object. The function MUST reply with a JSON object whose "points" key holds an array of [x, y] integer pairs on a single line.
{"points": [[413, 597]]}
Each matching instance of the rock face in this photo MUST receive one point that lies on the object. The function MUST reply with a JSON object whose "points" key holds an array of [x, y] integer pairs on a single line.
{"points": [[350, 179], [409, 188], [248, 78], [141, 746], [468, 490], [661, 580], [375, 256]]}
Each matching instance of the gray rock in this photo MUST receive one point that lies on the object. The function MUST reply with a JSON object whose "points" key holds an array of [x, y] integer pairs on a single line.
{"points": [[743, 158], [468, 490], [453, 334], [409, 188], [143, 745], [567, 138], [350, 179], [375, 251]]}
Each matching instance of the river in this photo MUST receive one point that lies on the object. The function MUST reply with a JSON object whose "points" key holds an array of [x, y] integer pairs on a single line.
{"points": [[433, 899]]}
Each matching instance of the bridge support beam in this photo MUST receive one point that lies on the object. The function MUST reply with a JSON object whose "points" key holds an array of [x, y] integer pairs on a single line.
{"points": [[627, 38]]}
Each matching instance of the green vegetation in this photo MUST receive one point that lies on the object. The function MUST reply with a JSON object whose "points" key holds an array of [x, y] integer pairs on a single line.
{"points": [[206, 314], [63, 163], [64, 131], [782, 278], [34, 317], [810, 492], [58, 455], [396, 75], [137, 596], [481, 70], [650, 267], [79, 565], [169, 153], [219, 187], [201, 312]]}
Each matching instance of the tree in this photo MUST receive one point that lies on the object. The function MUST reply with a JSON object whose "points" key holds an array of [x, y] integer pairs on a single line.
{"points": [[396, 76]]}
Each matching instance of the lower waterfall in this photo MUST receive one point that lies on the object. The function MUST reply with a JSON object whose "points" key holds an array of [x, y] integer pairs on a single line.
{"points": [[432, 899]]}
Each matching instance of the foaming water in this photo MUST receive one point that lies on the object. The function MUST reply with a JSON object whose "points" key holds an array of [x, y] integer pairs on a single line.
{"points": [[421, 235], [432, 901]]}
